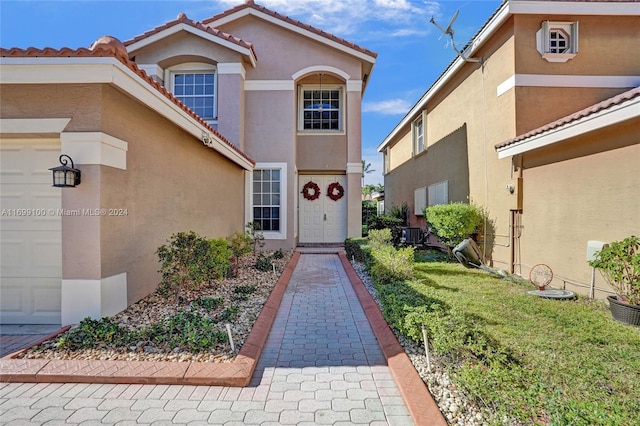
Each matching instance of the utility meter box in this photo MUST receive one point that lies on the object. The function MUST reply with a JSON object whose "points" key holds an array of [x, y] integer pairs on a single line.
{"points": [[593, 247]]}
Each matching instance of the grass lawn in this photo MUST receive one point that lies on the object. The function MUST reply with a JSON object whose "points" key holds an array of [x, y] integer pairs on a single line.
{"points": [[523, 357]]}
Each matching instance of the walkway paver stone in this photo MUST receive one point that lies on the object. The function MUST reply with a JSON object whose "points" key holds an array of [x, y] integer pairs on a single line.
{"points": [[321, 363]]}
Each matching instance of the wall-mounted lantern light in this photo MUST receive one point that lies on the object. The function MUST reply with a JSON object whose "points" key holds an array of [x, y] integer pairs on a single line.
{"points": [[65, 176]]}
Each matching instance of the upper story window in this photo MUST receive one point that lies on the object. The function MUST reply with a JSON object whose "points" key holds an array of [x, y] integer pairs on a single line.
{"points": [[320, 109], [418, 135], [196, 86], [558, 41]]}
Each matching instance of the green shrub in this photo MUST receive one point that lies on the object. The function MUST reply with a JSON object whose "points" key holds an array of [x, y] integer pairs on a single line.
{"points": [[400, 212], [91, 333], [355, 249], [189, 261], [207, 303], [263, 263], [369, 211], [388, 222], [242, 292], [391, 264], [240, 244], [254, 230], [619, 263], [453, 222], [229, 314], [188, 330], [380, 237]]}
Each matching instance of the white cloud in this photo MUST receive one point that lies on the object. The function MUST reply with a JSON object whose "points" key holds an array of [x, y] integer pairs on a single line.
{"points": [[340, 17], [388, 107]]}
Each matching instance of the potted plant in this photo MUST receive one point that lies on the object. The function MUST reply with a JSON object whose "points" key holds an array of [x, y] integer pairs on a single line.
{"points": [[619, 263]]}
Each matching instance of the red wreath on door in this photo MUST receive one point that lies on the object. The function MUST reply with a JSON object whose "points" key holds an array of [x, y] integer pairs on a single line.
{"points": [[335, 191], [311, 191]]}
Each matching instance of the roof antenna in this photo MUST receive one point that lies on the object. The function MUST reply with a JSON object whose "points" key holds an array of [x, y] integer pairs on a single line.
{"points": [[449, 31]]}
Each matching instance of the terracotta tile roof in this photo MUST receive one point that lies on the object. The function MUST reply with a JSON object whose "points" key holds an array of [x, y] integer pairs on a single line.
{"points": [[111, 47], [251, 4], [593, 109], [182, 19]]}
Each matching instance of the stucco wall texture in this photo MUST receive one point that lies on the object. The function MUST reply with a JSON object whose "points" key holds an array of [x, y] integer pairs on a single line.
{"points": [[172, 183], [577, 191]]}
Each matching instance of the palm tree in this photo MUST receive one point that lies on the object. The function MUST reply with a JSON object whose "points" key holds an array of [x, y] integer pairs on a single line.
{"points": [[366, 169]]}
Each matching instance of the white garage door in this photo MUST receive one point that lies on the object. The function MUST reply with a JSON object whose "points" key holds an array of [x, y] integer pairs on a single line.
{"points": [[323, 220], [30, 232]]}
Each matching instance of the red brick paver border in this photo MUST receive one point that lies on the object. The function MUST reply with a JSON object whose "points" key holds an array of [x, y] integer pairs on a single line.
{"points": [[420, 403], [418, 400], [237, 373]]}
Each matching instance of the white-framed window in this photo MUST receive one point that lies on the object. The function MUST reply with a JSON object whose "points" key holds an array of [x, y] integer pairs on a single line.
{"points": [[195, 84], [419, 201], [438, 193], [269, 199], [418, 135], [321, 109], [557, 41]]}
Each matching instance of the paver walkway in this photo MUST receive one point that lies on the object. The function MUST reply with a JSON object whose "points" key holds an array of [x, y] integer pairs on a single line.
{"points": [[321, 365]]}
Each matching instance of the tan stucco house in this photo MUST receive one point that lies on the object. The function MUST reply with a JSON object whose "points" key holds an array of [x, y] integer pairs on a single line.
{"points": [[201, 126], [537, 122]]}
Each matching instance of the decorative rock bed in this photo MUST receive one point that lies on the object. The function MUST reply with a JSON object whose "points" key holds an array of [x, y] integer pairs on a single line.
{"points": [[155, 307], [456, 407]]}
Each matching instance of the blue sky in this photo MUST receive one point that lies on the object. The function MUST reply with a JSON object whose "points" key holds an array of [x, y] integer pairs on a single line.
{"points": [[412, 52]]}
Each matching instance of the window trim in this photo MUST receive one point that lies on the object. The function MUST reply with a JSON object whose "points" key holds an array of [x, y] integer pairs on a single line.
{"points": [[341, 114], [282, 233], [195, 67], [421, 120], [419, 200], [436, 189], [386, 159], [543, 38]]}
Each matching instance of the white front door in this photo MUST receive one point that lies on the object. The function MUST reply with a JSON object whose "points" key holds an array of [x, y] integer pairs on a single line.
{"points": [[30, 232], [322, 220]]}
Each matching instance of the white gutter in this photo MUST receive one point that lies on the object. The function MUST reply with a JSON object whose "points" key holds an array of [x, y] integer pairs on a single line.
{"points": [[601, 119], [109, 70]]}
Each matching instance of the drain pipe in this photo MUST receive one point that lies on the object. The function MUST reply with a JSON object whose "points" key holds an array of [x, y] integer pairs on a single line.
{"points": [[593, 247], [233, 348], [426, 347]]}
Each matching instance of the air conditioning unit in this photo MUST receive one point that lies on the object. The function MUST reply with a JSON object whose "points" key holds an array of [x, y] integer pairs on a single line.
{"points": [[411, 236], [468, 253]]}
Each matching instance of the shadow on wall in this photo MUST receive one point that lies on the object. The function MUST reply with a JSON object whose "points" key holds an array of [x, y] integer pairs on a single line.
{"points": [[486, 238], [447, 160]]}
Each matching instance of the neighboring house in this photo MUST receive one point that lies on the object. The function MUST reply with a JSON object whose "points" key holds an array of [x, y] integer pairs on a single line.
{"points": [[182, 128], [378, 197], [541, 84]]}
